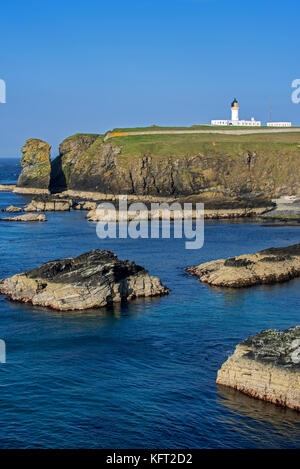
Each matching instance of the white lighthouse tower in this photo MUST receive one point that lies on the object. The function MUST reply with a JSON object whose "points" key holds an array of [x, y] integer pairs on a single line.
{"points": [[235, 118], [234, 112]]}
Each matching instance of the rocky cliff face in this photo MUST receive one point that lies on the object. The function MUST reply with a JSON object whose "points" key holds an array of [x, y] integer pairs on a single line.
{"points": [[265, 267], [176, 166], [91, 280], [36, 165], [266, 366]]}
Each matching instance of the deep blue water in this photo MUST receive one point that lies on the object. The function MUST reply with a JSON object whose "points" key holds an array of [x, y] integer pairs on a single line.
{"points": [[142, 374]]}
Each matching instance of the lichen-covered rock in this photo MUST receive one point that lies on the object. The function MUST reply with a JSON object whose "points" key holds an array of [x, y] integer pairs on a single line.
{"points": [[36, 165], [28, 217], [265, 267], [71, 150], [266, 366], [91, 280]]}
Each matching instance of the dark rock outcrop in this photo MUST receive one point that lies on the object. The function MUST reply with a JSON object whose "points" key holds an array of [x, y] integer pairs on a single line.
{"points": [[91, 280], [36, 165], [266, 366]]}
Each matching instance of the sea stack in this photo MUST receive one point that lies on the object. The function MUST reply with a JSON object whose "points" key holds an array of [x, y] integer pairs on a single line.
{"points": [[36, 166]]}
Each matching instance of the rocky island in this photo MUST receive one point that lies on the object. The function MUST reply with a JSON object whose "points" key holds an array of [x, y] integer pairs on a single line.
{"points": [[266, 366], [265, 267], [91, 280]]}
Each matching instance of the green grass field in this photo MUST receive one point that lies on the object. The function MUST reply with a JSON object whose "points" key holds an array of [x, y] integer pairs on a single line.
{"points": [[193, 144], [192, 127]]}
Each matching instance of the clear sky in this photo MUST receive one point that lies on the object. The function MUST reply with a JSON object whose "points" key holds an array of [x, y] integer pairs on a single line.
{"points": [[90, 66]]}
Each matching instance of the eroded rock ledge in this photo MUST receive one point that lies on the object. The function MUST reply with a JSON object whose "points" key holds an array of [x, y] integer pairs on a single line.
{"points": [[90, 280], [267, 367], [265, 267], [26, 217]]}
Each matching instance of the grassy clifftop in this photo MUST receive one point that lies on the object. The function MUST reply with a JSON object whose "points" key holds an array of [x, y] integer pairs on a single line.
{"points": [[181, 145], [182, 164]]}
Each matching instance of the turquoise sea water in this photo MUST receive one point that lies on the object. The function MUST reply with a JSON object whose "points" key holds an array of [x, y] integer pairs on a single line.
{"points": [[140, 375]]}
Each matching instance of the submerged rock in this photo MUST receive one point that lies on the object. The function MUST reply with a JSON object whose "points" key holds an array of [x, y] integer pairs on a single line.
{"points": [[265, 267], [36, 165], [266, 366], [31, 217], [91, 280]]}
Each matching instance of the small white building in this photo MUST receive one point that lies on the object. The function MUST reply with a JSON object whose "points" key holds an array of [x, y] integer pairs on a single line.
{"points": [[279, 124], [235, 118]]}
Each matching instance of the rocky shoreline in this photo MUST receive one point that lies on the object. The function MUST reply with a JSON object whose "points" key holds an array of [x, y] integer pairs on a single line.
{"points": [[265, 267], [267, 367], [95, 215], [91, 280], [43, 201], [26, 217]]}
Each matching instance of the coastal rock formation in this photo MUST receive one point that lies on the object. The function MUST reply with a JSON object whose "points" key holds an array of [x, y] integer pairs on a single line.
{"points": [[13, 209], [287, 208], [171, 165], [36, 165], [56, 203], [226, 173], [90, 280], [7, 187], [164, 165], [266, 366], [31, 217], [83, 205], [95, 215], [73, 156], [265, 267], [49, 205]]}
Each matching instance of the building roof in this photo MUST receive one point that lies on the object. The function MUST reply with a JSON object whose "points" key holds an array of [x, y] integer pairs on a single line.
{"points": [[234, 102]]}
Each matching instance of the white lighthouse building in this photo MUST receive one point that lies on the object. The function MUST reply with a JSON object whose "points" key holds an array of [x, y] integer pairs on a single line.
{"points": [[235, 112], [235, 118]]}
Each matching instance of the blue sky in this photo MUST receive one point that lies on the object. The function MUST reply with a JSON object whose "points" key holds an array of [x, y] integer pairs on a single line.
{"points": [[90, 66]]}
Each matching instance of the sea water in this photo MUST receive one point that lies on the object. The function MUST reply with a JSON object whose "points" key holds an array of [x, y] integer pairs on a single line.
{"points": [[141, 374]]}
